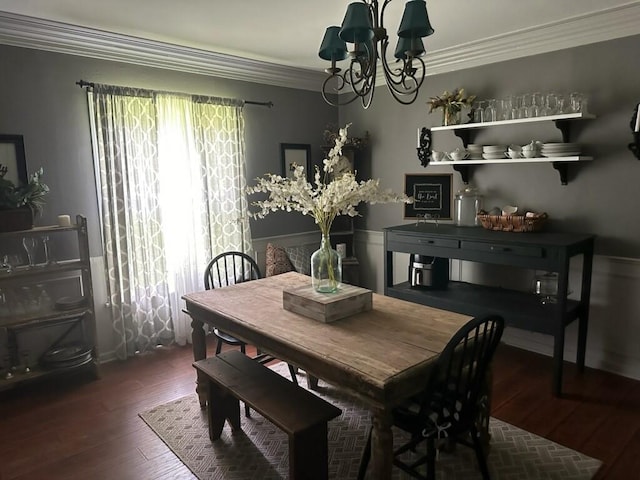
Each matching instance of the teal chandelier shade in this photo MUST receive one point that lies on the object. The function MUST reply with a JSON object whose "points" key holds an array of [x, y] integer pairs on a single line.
{"points": [[415, 20], [333, 48], [409, 47], [356, 26], [363, 41]]}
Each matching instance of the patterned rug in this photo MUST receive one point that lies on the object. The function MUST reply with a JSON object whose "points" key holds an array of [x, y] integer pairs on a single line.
{"points": [[260, 451]]}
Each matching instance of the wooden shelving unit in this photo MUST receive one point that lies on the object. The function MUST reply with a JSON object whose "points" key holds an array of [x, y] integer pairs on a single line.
{"points": [[50, 324]]}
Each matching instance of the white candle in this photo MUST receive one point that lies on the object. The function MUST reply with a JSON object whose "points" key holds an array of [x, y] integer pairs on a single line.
{"points": [[418, 138], [637, 129], [64, 220]]}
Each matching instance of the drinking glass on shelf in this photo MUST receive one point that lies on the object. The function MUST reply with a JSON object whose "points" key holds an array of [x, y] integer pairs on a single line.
{"points": [[490, 111], [478, 111], [30, 244], [48, 256], [11, 261], [561, 103], [26, 359], [536, 104], [551, 104], [578, 102], [506, 108], [524, 105]]}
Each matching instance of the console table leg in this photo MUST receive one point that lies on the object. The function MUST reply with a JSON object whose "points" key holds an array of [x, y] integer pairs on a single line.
{"points": [[558, 360]]}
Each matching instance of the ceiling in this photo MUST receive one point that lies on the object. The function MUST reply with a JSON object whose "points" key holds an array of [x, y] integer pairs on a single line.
{"points": [[288, 32]]}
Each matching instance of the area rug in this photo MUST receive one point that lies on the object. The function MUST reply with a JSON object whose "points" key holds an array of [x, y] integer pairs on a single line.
{"points": [[260, 451]]}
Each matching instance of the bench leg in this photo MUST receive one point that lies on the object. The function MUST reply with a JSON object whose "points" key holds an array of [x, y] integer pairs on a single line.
{"points": [[309, 454], [220, 407], [312, 382]]}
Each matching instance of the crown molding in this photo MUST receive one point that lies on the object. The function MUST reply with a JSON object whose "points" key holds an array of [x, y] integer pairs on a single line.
{"points": [[618, 22], [30, 32]]}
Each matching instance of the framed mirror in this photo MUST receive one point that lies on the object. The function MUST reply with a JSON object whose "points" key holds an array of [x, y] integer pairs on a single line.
{"points": [[295, 154], [12, 157]]}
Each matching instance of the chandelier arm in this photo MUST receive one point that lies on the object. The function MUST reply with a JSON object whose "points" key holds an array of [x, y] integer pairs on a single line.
{"points": [[343, 82]]}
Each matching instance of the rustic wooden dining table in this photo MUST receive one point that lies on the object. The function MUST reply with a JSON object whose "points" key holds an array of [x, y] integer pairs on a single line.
{"points": [[381, 356]]}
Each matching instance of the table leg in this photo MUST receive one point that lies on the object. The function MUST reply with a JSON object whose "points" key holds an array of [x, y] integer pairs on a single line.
{"points": [[199, 352], [558, 360], [381, 445], [585, 296]]}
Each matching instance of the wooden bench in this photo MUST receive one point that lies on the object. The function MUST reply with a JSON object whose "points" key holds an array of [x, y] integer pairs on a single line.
{"points": [[303, 416]]}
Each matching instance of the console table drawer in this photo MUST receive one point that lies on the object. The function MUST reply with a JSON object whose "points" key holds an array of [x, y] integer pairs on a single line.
{"points": [[504, 249], [422, 240]]}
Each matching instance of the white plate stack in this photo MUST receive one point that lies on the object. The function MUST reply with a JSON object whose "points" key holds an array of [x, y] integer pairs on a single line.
{"points": [[494, 152], [560, 149], [475, 151]]}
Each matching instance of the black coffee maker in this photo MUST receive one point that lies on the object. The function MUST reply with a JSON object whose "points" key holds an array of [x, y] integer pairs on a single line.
{"points": [[428, 272]]}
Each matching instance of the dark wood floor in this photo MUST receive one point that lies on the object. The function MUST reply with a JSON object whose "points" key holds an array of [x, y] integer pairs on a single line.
{"points": [[90, 429]]}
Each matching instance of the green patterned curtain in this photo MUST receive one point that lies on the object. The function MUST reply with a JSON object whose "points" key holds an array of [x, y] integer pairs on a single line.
{"points": [[171, 179]]}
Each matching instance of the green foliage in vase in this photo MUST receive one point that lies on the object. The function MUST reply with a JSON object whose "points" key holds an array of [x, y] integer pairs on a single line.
{"points": [[452, 101], [29, 195]]}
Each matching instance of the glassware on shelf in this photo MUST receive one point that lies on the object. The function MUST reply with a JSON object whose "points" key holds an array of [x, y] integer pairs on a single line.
{"points": [[490, 111], [524, 105], [30, 244], [506, 108], [10, 262], [45, 302], [546, 287], [578, 102], [26, 358], [29, 300], [537, 101], [7, 367], [478, 111], [49, 260]]}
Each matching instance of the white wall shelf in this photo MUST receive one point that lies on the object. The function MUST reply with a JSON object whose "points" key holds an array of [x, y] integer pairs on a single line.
{"points": [[467, 131]]}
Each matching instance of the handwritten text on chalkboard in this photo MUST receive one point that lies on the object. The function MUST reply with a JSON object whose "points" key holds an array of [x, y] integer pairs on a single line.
{"points": [[427, 196]]}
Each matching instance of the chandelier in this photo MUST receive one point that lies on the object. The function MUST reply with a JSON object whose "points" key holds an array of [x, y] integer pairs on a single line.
{"points": [[363, 29]]}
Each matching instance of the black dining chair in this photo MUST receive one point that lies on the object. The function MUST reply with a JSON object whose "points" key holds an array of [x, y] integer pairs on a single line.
{"points": [[230, 268], [451, 404]]}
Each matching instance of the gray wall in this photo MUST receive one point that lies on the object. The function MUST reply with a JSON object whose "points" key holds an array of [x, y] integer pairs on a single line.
{"points": [[602, 195], [40, 100]]}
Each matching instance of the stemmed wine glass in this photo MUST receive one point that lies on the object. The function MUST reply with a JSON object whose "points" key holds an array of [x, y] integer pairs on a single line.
{"points": [[48, 256], [30, 244]]}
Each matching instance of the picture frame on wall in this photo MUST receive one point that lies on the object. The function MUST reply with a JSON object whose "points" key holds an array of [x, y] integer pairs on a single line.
{"points": [[432, 196], [13, 158], [293, 154]]}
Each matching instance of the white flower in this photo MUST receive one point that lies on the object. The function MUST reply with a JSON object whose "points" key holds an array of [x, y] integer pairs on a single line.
{"points": [[326, 198]]}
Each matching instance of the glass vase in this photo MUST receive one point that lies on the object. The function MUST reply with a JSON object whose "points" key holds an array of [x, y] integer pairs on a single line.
{"points": [[326, 267], [450, 116]]}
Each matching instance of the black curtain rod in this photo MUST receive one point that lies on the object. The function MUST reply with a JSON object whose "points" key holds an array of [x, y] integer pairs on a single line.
{"points": [[84, 83]]}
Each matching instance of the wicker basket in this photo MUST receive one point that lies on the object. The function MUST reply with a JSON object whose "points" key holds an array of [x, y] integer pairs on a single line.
{"points": [[513, 223]]}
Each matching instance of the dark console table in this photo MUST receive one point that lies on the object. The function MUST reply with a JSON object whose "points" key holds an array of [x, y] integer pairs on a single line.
{"points": [[538, 251]]}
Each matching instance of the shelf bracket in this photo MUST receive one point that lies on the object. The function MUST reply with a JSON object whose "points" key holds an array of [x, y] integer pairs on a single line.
{"points": [[464, 135], [424, 147], [565, 127], [562, 168], [464, 171]]}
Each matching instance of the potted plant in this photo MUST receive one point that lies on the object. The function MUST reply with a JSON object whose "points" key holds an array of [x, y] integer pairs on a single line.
{"points": [[451, 104], [20, 203]]}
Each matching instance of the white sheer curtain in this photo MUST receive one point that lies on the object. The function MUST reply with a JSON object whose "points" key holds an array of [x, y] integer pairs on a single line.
{"points": [[172, 177]]}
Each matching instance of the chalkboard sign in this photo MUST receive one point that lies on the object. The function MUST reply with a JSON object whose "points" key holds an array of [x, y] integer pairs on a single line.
{"points": [[431, 196]]}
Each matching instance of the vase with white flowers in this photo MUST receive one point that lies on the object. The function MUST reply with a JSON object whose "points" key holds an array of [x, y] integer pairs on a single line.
{"points": [[324, 199]]}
